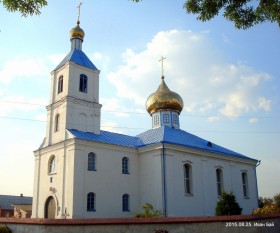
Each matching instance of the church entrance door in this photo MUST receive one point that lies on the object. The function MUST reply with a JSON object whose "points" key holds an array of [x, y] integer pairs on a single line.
{"points": [[50, 208]]}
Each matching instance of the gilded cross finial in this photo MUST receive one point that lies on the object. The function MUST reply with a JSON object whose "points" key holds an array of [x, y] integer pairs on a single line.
{"points": [[161, 60], [79, 11]]}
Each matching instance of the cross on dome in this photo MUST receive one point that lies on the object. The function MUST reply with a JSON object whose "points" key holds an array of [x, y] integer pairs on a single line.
{"points": [[161, 60], [79, 11]]}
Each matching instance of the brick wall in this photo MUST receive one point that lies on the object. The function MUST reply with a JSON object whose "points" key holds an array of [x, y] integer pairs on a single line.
{"points": [[229, 224]]}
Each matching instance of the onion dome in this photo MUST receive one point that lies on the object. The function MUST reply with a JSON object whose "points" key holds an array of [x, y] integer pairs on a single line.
{"points": [[164, 99], [77, 32]]}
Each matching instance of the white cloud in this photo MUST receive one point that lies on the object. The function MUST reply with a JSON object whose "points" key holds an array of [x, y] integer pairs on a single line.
{"points": [[20, 103], [196, 70], [264, 103], [21, 67], [213, 118], [56, 58], [111, 126], [253, 120]]}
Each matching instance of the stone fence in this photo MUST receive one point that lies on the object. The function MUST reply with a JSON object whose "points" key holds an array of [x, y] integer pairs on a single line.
{"points": [[213, 224]]}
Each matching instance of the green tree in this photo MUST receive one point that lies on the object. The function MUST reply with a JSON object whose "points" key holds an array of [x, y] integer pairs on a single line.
{"points": [[265, 201], [4, 229], [227, 205], [148, 211], [243, 13], [276, 199], [25, 7]]}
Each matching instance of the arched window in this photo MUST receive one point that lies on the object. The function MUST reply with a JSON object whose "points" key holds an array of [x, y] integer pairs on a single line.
{"points": [[219, 176], [188, 179], [125, 202], [91, 201], [245, 184], [83, 83], [52, 165], [57, 123], [91, 162], [125, 165], [60, 84]]}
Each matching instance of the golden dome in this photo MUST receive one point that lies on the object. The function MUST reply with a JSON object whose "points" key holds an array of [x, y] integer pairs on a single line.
{"points": [[77, 32], [164, 99]]}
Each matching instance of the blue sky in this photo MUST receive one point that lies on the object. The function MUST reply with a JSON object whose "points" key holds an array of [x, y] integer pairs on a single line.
{"points": [[228, 78]]}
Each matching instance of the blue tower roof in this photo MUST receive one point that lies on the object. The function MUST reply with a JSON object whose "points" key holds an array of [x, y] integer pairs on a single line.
{"points": [[79, 57]]}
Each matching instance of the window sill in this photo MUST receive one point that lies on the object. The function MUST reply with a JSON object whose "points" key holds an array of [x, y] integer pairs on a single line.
{"points": [[246, 197], [91, 210], [126, 210], [188, 194], [127, 173], [92, 170], [52, 173]]}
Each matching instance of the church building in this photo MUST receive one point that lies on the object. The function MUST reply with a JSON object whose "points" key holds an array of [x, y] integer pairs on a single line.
{"points": [[82, 171]]}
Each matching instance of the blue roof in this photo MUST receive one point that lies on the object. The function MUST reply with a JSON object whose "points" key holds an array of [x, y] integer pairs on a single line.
{"points": [[106, 137], [163, 134], [79, 57]]}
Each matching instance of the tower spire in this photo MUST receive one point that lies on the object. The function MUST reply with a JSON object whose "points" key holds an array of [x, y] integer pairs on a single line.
{"points": [[77, 34]]}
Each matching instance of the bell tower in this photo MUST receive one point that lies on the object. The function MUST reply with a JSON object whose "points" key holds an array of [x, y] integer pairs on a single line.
{"points": [[74, 97]]}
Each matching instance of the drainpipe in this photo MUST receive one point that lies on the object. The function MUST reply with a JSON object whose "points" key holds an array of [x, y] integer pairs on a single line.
{"points": [[163, 167], [258, 163]]}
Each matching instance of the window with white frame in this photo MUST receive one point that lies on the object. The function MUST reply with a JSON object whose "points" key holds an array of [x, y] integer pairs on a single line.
{"points": [[245, 184], [156, 119], [125, 202], [91, 162], [91, 201], [165, 118], [188, 178], [125, 165], [175, 119], [52, 165], [219, 177]]}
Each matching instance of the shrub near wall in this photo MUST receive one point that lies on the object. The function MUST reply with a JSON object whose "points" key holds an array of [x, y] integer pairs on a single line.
{"points": [[4, 229]]}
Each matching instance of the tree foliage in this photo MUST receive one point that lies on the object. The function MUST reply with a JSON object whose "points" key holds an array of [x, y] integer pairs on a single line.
{"points": [[227, 205], [25, 7], [243, 13], [268, 205], [148, 211], [4, 229]]}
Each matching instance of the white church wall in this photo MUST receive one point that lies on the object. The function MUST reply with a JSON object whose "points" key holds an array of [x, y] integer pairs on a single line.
{"points": [[48, 183], [151, 176], [204, 195], [107, 182], [92, 93]]}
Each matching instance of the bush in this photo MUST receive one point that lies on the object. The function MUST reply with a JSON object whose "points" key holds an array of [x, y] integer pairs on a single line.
{"points": [[267, 209], [148, 212], [5, 229], [276, 199], [227, 205], [265, 201], [268, 205]]}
